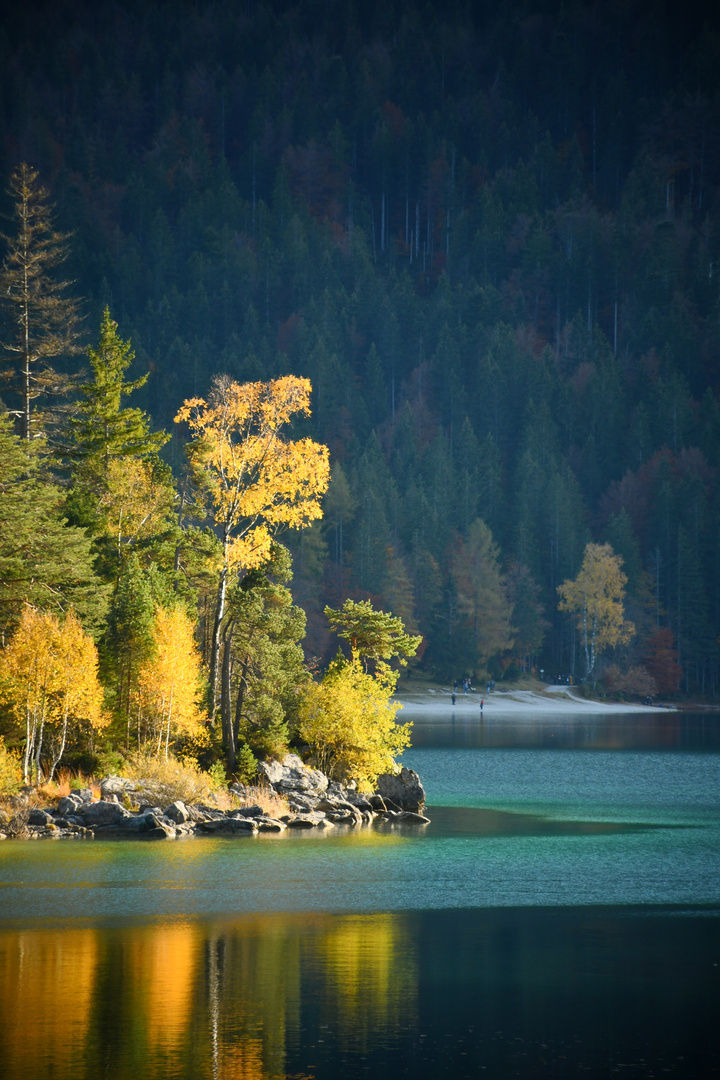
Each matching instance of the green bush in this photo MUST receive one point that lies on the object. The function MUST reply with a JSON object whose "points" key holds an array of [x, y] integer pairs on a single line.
{"points": [[246, 765]]}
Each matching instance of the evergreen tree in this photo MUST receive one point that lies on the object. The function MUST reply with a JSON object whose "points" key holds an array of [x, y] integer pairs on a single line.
{"points": [[482, 601], [43, 560], [42, 317], [263, 662]]}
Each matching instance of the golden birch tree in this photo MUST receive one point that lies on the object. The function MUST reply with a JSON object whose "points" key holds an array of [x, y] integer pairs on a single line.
{"points": [[253, 481], [595, 598], [48, 674], [170, 683]]}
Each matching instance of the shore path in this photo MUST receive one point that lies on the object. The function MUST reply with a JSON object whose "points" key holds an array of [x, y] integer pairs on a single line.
{"points": [[553, 700]]}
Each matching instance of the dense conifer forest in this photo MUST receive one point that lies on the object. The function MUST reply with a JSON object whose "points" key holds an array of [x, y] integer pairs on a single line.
{"points": [[489, 236]]}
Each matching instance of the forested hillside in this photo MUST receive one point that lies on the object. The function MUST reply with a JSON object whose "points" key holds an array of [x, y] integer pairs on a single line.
{"points": [[489, 236]]}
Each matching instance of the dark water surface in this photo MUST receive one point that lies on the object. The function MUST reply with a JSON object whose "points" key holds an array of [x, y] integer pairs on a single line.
{"points": [[559, 918]]}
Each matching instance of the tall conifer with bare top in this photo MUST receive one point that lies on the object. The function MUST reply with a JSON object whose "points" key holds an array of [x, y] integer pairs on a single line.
{"points": [[41, 318]]}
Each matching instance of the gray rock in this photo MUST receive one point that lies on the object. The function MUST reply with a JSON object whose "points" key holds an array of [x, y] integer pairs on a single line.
{"points": [[114, 785], [268, 824], [229, 825], [302, 803], [177, 812], [306, 821], [102, 813], [40, 817], [404, 788], [247, 812], [84, 794], [410, 818], [69, 804], [358, 801], [291, 775], [345, 817], [157, 828], [198, 812]]}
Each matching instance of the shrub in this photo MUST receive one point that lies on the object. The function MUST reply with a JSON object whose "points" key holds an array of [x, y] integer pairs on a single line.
{"points": [[163, 781], [10, 770], [246, 765], [349, 720]]}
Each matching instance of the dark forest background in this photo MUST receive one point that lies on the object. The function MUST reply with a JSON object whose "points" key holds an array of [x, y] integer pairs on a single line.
{"points": [[488, 233]]}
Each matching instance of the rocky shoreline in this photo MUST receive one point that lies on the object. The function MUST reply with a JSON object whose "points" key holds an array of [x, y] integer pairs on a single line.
{"points": [[314, 802]]}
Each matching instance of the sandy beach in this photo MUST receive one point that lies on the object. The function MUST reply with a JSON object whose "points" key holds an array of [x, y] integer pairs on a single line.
{"points": [[553, 700]]}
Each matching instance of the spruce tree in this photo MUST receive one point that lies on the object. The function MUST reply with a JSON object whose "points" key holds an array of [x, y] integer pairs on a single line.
{"points": [[43, 560], [41, 316]]}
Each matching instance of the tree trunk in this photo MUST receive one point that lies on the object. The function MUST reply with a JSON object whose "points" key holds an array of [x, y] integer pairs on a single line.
{"points": [[228, 733], [240, 698], [217, 634], [61, 751]]}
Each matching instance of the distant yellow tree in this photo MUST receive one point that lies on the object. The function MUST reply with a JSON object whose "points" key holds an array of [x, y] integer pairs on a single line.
{"points": [[595, 597], [252, 480], [170, 682], [48, 675], [349, 720]]}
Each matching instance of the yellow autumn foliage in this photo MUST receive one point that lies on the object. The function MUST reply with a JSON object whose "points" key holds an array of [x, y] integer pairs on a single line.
{"points": [[170, 683], [349, 720], [595, 598], [254, 480], [49, 678]]}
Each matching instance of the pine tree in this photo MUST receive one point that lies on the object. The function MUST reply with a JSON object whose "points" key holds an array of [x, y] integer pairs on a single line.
{"points": [[42, 316], [482, 600], [43, 560], [121, 490], [263, 663], [104, 431]]}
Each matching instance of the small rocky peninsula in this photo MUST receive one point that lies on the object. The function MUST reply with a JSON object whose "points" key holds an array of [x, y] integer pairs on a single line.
{"points": [[313, 801]]}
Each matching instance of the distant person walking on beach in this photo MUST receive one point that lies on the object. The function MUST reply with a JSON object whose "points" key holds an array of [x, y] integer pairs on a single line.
{"points": [[453, 697], [482, 702]]}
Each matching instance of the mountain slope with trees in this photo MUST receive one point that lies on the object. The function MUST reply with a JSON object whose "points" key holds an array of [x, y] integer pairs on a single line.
{"points": [[488, 236]]}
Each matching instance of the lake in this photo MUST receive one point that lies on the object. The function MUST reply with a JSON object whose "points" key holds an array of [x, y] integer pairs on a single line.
{"points": [[559, 917]]}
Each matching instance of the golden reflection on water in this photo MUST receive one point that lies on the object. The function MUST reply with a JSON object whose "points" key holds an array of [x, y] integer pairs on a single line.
{"points": [[223, 1000], [47, 983]]}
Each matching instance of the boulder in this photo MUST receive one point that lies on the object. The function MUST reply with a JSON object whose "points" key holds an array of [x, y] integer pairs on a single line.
{"points": [[291, 775], [157, 828], [306, 821], [69, 804], [358, 801], [268, 824], [229, 825], [114, 785], [39, 817], [177, 812], [198, 812], [102, 813], [409, 818], [84, 794], [403, 788], [247, 812]]}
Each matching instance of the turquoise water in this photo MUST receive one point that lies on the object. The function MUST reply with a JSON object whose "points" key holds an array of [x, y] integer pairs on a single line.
{"points": [[559, 916]]}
